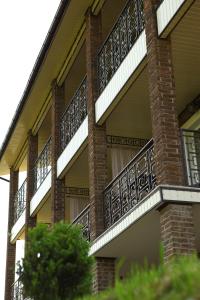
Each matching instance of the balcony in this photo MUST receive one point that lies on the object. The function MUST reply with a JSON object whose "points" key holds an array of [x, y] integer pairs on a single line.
{"points": [[74, 114], [191, 144], [42, 165], [84, 220], [17, 291], [119, 42], [132, 184], [20, 201]]}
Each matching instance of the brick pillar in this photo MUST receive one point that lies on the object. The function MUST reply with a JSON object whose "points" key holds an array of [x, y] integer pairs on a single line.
{"points": [[104, 274], [31, 159], [11, 248], [166, 134], [177, 229], [97, 148], [57, 185]]}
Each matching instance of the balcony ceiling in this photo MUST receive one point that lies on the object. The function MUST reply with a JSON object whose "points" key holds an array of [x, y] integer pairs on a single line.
{"points": [[49, 68], [132, 116], [186, 56], [140, 242]]}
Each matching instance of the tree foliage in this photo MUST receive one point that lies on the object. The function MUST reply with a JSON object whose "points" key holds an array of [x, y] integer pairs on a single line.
{"points": [[56, 265]]}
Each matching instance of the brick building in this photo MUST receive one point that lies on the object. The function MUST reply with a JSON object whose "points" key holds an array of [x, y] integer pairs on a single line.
{"points": [[107, 134]]}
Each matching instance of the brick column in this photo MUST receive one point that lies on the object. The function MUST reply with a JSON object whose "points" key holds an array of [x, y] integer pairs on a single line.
{"points": [[11, 248], [31, 159], [104, 274], [57, 185], [104, 270], [177, 229], [97, 148], [168, 156]]}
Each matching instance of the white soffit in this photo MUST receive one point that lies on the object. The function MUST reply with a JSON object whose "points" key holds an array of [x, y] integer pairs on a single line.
{"points": [[72, 148], [159, 196], [166, 12], [17, 228], [120, 78], [40, 194]]}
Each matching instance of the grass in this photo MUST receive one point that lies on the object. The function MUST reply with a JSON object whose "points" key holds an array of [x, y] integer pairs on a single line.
{"points": [[179, 280]]}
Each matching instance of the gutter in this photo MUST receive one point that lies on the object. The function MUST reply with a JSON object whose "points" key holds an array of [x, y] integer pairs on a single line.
{"points": [[41, 56]]}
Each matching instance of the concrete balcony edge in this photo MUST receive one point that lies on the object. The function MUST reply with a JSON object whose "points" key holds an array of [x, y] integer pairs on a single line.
{"points": [[159, 196]]}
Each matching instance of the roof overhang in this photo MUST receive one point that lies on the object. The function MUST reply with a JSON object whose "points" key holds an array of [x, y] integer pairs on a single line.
{"points": [[65, 27]]}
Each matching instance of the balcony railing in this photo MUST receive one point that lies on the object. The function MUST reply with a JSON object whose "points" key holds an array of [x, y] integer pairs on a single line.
{"points": [[20, 201], [84, 220], [191, 143], [119, 42], [42, 165], [74, 115], [17, 291], [133, 183]]}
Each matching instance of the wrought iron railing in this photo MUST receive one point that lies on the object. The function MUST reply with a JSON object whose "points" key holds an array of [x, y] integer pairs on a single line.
{"points": [[20, 201], [17, 291], [119, 42], [191, 145], [74, 115], [84, 220], [42, 165], [133, 183]]}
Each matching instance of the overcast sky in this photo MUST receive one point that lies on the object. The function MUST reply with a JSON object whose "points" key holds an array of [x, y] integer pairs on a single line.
{"points": [[23, 27]]}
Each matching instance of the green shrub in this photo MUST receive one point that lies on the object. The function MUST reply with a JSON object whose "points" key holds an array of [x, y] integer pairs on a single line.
{"points": [[179, 280], [56, 265]]}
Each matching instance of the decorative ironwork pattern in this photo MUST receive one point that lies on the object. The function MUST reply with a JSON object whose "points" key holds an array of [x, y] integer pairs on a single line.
{"points": [[74, 115], [133, 183], [191, 143], [77, 191], [42, 165], [119, 42], [17, 291], [84, 220], [126, 141], [20, 201]]}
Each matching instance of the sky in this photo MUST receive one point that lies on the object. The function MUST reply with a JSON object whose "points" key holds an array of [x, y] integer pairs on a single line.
{"points": [[23, 27]]}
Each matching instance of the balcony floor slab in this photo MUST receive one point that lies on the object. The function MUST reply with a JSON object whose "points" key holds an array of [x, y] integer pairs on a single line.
{"points": [[137, 234]]}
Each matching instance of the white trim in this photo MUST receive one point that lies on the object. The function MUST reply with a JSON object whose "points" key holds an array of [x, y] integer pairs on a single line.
{"points": [[120, 78], [73, 147], [17, 228], [166, 12], [156, 198], [181, 195], [40, 194]]}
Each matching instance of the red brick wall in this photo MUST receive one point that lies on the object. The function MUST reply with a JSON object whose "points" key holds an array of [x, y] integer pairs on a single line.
{"points": [[176, 221], [11, 248], [166, 134], [57, 185], [177, 230], [31, 159], [97, 148], [104, 273]]}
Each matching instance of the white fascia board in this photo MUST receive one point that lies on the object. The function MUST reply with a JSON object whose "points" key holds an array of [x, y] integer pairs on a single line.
{"points": [[122, 75], [159, 196], [18, 227], [166, 12], [73, 147], [180, 194], [40, 194]]}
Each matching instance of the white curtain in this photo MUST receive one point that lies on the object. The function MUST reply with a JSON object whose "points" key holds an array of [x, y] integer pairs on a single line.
{"points": [[120, 156], [77, 205]]}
